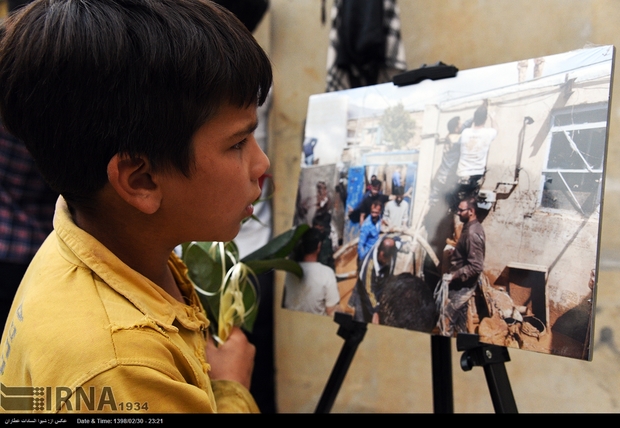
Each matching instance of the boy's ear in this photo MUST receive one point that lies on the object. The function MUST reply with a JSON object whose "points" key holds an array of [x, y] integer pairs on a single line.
{"points": [[132, 179]]}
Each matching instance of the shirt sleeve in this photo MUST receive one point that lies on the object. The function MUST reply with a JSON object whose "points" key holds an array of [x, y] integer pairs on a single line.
{"points": [[140, 389], [386, 213], [232, 397], [405, 214], [361, 246], [332, 295]]}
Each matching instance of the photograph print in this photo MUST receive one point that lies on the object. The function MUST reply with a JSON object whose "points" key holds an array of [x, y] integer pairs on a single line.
{"points": [[464, 205]]}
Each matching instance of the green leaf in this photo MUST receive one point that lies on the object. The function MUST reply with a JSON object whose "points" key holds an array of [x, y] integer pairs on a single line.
{"points": [[204, 263], [262, 266], [206, 274], [205, 246], [231, 253], [250, 298], [280, 246], [184, 247], [202, 269]]}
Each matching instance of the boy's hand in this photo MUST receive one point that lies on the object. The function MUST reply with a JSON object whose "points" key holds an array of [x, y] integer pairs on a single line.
{"points": [[232, 360]]}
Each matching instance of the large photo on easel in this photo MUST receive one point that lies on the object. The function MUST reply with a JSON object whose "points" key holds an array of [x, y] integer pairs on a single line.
{"points": [[463, 205]]}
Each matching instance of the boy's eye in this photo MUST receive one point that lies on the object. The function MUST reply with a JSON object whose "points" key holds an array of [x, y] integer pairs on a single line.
{"points": [[240, 144]]}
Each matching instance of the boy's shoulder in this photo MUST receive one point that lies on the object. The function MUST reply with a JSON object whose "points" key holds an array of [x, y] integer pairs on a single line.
{"points": [[80, 312]]}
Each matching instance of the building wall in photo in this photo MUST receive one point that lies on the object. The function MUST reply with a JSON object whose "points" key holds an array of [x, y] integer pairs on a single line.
{"points": [[544, 223]]}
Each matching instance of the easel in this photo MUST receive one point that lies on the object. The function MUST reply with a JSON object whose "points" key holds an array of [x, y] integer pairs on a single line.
{"points": [[490, 357], [352, 332]]}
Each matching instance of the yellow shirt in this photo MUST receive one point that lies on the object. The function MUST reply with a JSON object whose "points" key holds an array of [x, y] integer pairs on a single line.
{"points": [[88, 333]]}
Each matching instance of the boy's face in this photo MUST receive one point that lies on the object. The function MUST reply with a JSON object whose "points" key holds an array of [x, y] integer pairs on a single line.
{"points": [[212, 202]]}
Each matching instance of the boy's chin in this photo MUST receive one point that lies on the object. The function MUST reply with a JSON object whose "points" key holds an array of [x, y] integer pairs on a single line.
{"points": [[225, 236], [224, 233]]}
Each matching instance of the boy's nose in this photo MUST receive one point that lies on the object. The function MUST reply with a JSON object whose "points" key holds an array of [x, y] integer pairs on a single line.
{"points": [[260, 163]]}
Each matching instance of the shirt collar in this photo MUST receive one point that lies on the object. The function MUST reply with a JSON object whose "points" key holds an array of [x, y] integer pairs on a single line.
{"points": [[83, 250]]}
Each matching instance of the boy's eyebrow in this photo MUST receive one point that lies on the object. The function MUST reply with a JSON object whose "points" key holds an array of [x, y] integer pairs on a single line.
{"points": [[247, 130]]}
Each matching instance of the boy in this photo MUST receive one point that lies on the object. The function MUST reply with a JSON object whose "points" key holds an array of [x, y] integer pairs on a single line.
{"points": [[140, 113]]}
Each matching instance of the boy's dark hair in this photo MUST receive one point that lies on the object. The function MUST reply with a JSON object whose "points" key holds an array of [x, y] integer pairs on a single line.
{"points": [[250, 12], [375, 183], [83, 80], [16, 4]]}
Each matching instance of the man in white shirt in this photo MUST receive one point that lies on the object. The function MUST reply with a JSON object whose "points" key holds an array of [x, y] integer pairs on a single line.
{"points": [[317, 292], [396, 211], [475, 144]]}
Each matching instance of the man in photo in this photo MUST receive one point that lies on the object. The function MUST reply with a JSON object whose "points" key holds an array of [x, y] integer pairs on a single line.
{"points": [[396, 211], [323, 203], [466, 265], [317, 291], [362, 211], [445, 180], [397, 179], [407, 302], [475, 142], [322, 222], [370, 230], [377, 267], [308, 150]]}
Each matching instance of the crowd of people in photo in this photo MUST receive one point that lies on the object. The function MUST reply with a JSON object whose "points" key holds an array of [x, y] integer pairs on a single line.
{"points": [[439, 300]]}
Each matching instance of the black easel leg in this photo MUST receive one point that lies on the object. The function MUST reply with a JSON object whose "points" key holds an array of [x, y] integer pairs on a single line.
{"points": [[492, 359], [499, 388], [353, 332], [441, 353]]}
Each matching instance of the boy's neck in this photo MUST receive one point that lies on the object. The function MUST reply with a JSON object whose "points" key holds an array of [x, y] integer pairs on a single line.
{"points": [[134, 239]]}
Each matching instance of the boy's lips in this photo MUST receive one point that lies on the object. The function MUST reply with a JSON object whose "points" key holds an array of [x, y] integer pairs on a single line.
{"points": [[249, 210], [261, 183], [261, 180]]}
